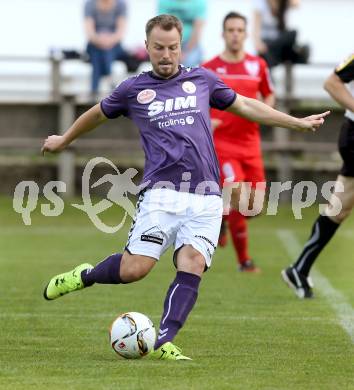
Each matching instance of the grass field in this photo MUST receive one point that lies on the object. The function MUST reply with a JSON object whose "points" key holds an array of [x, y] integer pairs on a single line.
{"points": [[246, 331]]}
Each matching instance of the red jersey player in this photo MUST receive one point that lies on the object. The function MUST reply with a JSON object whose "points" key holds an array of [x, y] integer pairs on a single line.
{"points": [[237, 140]]}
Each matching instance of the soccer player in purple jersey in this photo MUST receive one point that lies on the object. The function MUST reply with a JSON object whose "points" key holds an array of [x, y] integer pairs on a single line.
{"points": [[170, 105]]}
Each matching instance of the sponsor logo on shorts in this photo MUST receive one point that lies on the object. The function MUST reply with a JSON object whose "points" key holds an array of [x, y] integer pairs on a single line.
{"points": [[207, 240], [154, 235], [155, 240], [146, 96]]}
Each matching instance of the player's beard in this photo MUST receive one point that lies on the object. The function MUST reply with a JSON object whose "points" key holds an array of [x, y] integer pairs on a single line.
{"points": [[166, 69]]}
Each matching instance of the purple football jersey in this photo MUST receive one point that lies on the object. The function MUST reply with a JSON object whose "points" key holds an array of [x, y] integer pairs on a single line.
{"points": [[174, 122]]}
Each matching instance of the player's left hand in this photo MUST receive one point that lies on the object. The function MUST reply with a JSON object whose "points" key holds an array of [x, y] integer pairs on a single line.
{"points": [[312, 122]]}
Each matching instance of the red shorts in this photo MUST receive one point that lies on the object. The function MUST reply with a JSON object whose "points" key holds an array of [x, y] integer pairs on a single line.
{"points": [[234, 170]]}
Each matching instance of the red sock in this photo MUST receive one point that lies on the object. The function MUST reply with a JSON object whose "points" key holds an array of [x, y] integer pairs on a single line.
{"points": [[222, 241], [239, 234]]}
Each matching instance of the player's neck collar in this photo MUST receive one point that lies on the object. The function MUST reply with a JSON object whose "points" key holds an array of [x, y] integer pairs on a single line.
{"points": [[156, 77], [230, 60]]}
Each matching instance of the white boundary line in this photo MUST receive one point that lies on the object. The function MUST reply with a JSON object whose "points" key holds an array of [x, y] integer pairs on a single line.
{"points": [[338, 302]]}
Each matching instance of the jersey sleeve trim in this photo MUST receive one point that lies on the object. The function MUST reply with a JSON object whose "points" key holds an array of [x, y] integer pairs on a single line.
{"points": [[345, 71], [102, 109], [226, 105], [345, 63]]}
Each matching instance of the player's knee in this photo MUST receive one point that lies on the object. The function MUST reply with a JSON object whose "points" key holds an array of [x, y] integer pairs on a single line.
{"points": [[198, 262], [342, 215], [135, 267], [191, 261]]}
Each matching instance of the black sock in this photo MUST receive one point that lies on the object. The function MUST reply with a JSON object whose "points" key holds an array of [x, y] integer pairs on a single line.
{"points": [[322, 231]]}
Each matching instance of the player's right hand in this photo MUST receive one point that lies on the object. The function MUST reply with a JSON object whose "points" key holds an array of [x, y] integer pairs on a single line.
{"points": [[53, 144], [312, 122]]}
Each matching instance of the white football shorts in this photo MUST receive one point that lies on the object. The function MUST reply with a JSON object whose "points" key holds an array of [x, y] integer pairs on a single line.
{"points": [[165, 217]]}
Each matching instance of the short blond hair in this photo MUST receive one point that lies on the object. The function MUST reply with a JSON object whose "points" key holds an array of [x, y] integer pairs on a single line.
{"points": [[166, 22]]}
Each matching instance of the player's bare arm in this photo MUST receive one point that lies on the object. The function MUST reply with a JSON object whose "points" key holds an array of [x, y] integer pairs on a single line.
{"points": [[339, 92], [269, 100], [256, 111], [85, 123]]}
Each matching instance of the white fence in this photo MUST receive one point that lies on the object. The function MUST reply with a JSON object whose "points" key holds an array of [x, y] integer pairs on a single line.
{"points": [[35, 80]]}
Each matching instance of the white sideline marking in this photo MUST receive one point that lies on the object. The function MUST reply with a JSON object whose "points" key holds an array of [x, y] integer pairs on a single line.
{"points": [[338, 302]]}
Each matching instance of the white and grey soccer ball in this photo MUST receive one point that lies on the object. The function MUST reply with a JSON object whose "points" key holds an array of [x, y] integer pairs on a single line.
{"points": [[132, 335]]}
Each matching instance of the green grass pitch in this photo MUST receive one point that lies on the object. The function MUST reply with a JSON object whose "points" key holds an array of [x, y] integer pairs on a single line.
{"points": [[246, 331]]}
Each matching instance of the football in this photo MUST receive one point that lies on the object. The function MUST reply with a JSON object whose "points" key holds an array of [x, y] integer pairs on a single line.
{"points": [[132, 335]]}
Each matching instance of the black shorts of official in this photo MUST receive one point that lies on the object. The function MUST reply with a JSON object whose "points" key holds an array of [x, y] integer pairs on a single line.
{"points": [[346, 147]]}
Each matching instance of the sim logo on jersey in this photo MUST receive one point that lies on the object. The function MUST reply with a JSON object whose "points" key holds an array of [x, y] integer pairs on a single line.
{"points": [[173, 104]]}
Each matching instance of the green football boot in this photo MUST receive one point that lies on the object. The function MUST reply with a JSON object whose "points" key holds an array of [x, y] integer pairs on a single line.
{"points": [[168, 351], [64, 283]]}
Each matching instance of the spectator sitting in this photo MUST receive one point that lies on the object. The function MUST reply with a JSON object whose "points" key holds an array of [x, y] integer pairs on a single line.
{"points": [[273, 41], [192, 13], [105, 22]]}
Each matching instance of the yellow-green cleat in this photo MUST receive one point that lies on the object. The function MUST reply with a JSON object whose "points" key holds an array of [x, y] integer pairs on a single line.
{"points": [[64, 283], [168, 351]]}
